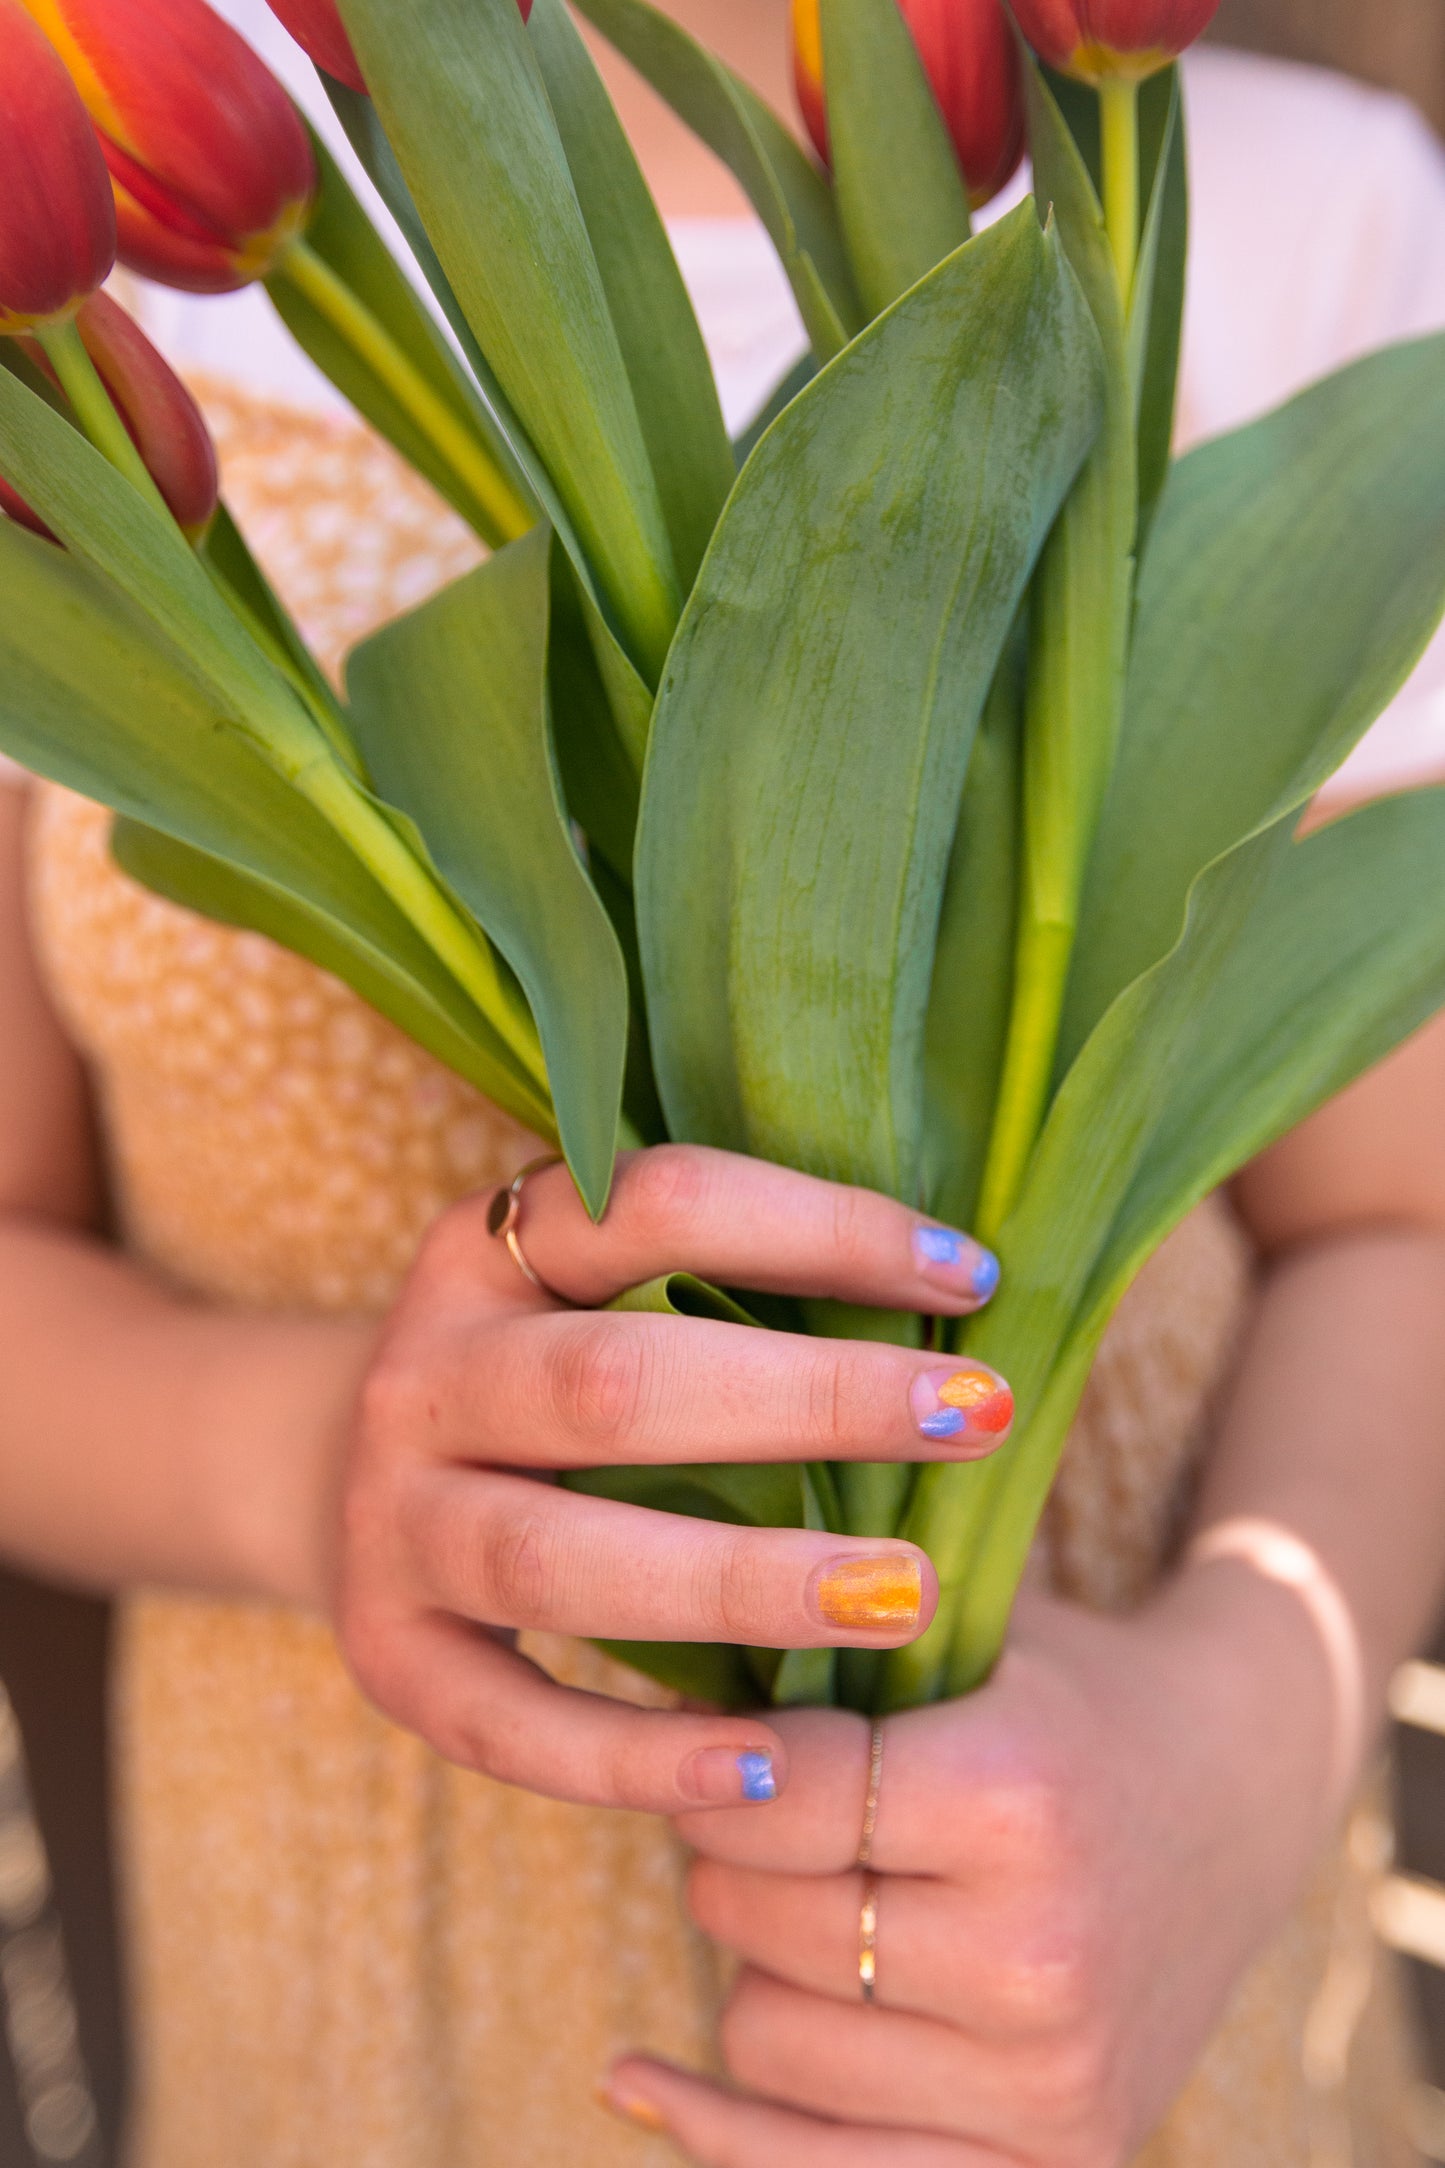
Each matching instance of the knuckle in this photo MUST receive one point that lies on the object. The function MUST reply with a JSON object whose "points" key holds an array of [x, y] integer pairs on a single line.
{"points": [[1051, 1983], [668, 1189], [853, 1231], [734, 1585], [519, 1564], [596, 1380], [394, 1404]]}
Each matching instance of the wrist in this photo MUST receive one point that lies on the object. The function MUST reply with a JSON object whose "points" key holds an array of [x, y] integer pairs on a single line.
{"points": [[280, 1403], [1246, 1657]]}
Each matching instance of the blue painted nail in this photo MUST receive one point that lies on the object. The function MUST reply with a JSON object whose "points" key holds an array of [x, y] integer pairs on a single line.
{"points": [[756, 1771], [955, 1262], [946, 1424], [941, 1246]]}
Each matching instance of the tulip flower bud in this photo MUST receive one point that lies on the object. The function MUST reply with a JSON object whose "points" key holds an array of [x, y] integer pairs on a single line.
{"points": [[968, 53], [164, 422], [317, 27], [57, 221], [1112, 40], [211, 167]]}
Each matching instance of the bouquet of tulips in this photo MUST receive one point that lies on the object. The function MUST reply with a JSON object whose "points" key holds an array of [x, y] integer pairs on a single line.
{"points": [[909, 793]]}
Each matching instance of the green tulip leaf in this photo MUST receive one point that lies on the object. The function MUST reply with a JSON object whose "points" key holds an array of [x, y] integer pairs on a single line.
{"points": [[789, 194], [1294, 579], [816, 722], [342, 235], [628, 697], [781, 397], [460, 93], [90, 697], [662, 346], [1301, 965], [449, 706], [902, 199]]}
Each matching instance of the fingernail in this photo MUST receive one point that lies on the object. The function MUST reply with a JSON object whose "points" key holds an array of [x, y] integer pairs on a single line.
{"points": [[619, 2101], [883, 1594], [966, 1401], [721, 1776], [955, 1262]]}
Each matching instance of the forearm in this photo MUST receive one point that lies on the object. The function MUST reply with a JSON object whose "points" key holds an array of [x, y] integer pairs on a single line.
{"points": [[1335, 1427], [147, 1440]]}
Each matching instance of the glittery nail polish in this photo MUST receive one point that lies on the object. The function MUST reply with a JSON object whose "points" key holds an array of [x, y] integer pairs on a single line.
{"points": [[955, 1263], [964, 1402], [879, 1594]]}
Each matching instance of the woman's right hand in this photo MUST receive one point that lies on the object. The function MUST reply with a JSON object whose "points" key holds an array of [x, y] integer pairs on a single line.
{"points": [[450, 1535]]}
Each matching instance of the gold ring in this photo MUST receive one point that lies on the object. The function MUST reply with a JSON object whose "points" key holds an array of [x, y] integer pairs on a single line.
{"points": [[870, 1801], [868, 1938], [504, 1213]]}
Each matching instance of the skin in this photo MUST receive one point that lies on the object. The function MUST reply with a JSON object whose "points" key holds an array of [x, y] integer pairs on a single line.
{"points": [[1077, 1863]]}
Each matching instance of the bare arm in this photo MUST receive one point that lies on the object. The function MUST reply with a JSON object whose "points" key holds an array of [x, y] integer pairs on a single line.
{"points": [[143, 1438]]}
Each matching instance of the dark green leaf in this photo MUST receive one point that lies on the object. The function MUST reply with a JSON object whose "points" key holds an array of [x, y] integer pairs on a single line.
{"points": [[458, 88], [449, 706], [661, 344], [789, 194], [782, 395], [815, 726], [1295, 575]]}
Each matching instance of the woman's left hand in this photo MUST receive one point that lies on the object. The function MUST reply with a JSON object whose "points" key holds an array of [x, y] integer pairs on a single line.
{"points": [[1076, 1865]]}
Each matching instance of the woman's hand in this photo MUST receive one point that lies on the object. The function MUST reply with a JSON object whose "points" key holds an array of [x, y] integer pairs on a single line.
{"points": [[1075, 1865], [449, 1536]]}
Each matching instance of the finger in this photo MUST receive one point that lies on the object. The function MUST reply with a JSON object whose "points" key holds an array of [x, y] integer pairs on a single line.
{"points": [[486, 1708], [746, 1223], [589, 1390], [718, 2129], [507, 1551], [949, 1801], [963, 1959], [861, 2065]]}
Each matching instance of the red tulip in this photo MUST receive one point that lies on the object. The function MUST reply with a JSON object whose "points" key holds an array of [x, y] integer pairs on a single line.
{"points": [[317, 27], [1122, 40], [211, 166], [165, 425], [57, 221], [967, 48]]}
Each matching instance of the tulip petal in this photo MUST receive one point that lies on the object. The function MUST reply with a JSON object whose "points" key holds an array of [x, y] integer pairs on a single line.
{"points": [[57, 223]]}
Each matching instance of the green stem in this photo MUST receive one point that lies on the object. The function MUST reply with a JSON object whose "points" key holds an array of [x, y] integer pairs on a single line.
{"points": [[503, 513], [469, 959], [1119, 117], [95, 410], [1041, 969], [274, 649]]}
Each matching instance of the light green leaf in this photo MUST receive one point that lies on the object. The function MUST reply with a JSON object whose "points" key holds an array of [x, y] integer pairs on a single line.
{"points": [[902, 199], [973, 969], [789, 194], [1302, 964], [662, 346], [109, 526], [457, 85], [342, 235], [449, 707], [1295, 576], [91, 697], [817, 718]]}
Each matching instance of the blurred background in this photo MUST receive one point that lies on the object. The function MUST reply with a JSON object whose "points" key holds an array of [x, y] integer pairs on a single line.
{"points": [[63, 2060]]}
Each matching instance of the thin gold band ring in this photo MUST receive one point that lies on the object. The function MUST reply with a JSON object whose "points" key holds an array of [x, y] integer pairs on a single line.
{"points": [[504, 1215], [868, 1915]]}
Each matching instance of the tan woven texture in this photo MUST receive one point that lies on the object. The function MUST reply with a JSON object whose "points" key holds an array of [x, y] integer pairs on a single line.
{"points": [[341, 1949]]}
